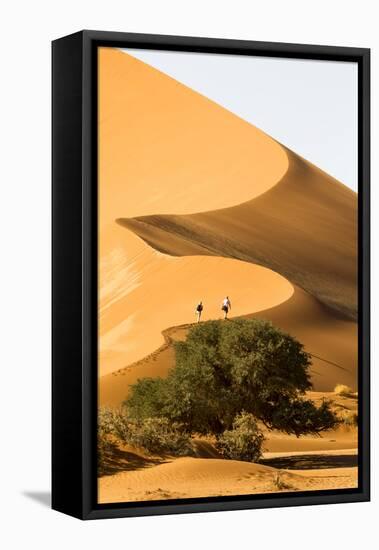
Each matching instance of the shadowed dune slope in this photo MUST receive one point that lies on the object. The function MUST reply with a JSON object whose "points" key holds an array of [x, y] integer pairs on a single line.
{"points": [[304, 228]]}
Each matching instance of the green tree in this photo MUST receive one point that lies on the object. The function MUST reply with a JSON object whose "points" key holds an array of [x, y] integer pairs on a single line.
{"points": [[225, 368], [147, 398]]}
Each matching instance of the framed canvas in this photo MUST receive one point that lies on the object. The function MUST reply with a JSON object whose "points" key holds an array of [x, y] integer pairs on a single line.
{"points": [[210, 274]]}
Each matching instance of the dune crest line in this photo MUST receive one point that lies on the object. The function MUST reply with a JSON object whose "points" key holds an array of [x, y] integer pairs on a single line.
{"points": [[304, 228]]}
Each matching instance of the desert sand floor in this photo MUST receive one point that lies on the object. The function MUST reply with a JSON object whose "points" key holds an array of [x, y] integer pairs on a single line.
{"points": [[207, 477]]}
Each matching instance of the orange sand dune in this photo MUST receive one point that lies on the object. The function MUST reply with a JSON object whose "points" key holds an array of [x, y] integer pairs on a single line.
{"points": [[149, 161], [165, 148], [201, 477], [304, 228], [210, 202]]}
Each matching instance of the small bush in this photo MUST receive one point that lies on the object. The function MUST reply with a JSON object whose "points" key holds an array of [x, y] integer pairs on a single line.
{"points": [[105, 429], [155, 435], [349, 418], [343, 390], [243, 442], [159, 435]]}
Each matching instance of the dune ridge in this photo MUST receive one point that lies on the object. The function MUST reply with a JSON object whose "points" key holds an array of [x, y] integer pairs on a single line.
{"points": [[304, 228]]}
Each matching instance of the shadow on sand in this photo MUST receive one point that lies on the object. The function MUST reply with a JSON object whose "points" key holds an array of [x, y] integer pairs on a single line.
{"points": [[119, 460], [312, 462]]}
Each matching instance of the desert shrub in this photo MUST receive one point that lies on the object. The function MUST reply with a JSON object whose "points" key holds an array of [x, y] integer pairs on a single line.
{"points": [[159, 435], [243, 441], [155, 435], [224, 368], [343, 390], [348, 418], [105, 429], [147, 398]]}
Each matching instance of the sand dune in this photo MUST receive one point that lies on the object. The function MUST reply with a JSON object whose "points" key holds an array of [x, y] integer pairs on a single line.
{"points": [[170, 151], [304, 228], [143, 292], [209, 205], [165, 148]]}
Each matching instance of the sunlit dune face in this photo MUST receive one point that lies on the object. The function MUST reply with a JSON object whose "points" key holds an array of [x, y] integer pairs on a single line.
{"points": [[164, 148]]}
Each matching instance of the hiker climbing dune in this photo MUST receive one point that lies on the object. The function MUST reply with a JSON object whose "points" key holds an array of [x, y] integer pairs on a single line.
{"points": [[226, 306], [199, 309]]}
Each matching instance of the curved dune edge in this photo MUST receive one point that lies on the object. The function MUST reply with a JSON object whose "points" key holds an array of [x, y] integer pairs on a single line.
{"points": [[142, 292], [196, 477], [304, 228], [173, 150], [331, 339]]}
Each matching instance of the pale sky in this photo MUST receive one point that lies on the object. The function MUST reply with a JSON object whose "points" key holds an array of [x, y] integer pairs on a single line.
{"points": [[309, 106]]}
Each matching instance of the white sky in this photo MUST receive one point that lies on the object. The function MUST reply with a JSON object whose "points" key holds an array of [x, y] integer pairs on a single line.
{"points": [[309, 106]]}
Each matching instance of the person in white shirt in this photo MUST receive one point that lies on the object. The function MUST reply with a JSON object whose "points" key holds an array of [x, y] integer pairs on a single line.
{"points": [[226, 306], [199, 309]]}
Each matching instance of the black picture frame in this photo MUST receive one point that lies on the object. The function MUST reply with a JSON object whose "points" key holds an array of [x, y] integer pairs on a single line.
{"points": [[74, 272]]}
